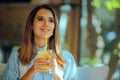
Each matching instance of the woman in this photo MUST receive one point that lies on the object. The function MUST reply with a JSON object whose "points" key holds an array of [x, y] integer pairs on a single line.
{"points": [[24, 64]]}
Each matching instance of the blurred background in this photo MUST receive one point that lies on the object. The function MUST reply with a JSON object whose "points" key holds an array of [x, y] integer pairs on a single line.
{"points": [[89, 29]]}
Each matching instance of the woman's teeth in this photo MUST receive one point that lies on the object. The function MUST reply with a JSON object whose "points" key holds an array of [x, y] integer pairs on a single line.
{"points": [[45, 30]]}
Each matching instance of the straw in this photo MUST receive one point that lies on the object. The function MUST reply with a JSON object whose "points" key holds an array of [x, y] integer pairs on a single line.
{"points": [[45, 48]]}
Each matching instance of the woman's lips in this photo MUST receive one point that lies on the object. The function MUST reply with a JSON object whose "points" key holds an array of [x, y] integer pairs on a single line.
{"points": [[44, 30]]}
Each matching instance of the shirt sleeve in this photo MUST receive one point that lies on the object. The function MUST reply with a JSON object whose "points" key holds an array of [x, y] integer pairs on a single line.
{"points": [[70, 70], [11, 71]]}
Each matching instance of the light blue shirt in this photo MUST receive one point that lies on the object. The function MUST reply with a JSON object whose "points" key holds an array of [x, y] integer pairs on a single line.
{"points": [[12, 70]]}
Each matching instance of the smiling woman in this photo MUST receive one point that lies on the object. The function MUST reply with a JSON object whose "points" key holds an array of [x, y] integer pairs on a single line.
{"points": [[41, 30], [43, 25]]}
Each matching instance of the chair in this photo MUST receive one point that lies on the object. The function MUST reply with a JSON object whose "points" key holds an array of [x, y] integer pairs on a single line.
{"points": [[2, 67], [93, 73]]}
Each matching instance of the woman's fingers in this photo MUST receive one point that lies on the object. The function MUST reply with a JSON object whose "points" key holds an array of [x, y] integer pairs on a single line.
{"points": [[45, 63], [40, 64]]}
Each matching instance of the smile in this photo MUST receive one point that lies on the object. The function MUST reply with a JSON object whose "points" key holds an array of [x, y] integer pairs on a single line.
{"points": [[45, 30]]}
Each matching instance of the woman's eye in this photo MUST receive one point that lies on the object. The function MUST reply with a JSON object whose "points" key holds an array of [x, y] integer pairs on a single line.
{"points": [[40, 19], [51, 20]]}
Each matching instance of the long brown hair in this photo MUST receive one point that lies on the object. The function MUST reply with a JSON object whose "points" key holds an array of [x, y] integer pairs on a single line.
{"points": [[27, 51]]}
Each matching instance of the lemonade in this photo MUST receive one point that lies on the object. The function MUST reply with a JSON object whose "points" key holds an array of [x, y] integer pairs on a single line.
{"points": [[44, 54], [47, 53]]}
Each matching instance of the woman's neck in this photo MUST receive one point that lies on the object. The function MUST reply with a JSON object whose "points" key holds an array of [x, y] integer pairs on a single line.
{"points": [[40, 42]]}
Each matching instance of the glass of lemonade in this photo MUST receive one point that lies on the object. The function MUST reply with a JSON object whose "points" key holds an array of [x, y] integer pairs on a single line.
{"points": [[44, 54]]}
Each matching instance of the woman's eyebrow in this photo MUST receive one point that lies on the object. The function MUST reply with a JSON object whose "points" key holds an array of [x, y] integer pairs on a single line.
{"points": [[51, 18], [40, 17]]}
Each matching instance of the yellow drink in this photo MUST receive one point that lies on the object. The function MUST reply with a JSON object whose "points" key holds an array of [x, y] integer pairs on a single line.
{"points": [[44, 54]]}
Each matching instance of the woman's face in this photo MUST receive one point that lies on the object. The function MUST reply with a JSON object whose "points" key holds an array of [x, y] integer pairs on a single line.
{"points": [[43, 24]]}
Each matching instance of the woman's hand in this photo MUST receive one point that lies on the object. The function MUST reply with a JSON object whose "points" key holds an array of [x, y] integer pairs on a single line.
{"points": [[46, 64], [41, 64], [55, 68]]}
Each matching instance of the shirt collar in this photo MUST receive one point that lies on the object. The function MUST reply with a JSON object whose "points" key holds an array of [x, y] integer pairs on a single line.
{"points": [[37, 48]]}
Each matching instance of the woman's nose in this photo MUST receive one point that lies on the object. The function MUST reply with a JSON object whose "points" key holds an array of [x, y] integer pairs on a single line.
{"points": [[46, 23]]}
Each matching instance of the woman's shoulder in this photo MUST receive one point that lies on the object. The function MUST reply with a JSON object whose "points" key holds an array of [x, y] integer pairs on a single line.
{"points": [[15, 51], [67, 55], [14, 55]]}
